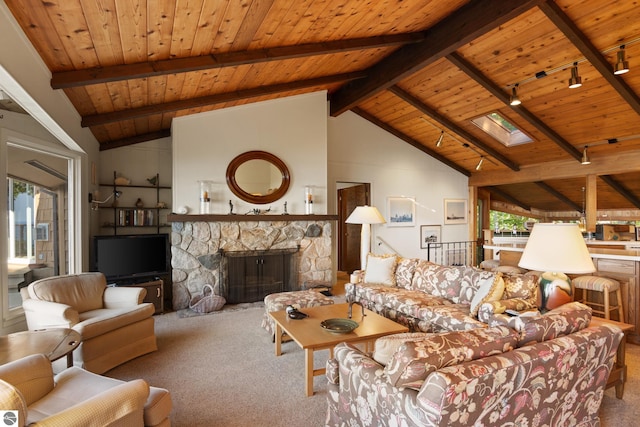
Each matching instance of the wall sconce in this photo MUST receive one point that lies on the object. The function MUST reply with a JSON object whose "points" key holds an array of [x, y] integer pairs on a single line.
{"points": [[440, 138], [575, 81], [622, 66], [95, 204], [515, 99]]}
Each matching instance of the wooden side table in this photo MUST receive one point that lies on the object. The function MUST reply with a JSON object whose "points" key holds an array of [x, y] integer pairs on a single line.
{"points": [[53, 343], [618, 375]]}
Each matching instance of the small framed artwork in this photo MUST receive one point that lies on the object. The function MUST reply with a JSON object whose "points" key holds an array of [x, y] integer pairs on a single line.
{"points": [[429, 234], [401, 211], [455, 211]]}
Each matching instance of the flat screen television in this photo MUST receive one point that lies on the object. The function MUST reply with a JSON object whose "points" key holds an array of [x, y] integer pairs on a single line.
{"points": [[130, 256]]}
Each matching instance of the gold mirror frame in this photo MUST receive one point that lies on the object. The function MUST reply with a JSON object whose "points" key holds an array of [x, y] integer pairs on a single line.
{"points": [[252, 198]]}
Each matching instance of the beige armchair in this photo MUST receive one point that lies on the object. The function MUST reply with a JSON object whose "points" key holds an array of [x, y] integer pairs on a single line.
{"points": [[115, 325], [76, 397]]}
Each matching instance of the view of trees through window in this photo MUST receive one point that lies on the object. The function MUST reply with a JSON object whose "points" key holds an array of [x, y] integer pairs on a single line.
{"points": [[505, 222]]}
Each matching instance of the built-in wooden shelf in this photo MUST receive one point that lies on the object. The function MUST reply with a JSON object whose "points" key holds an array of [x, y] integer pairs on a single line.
{"points": [[237, 218]]}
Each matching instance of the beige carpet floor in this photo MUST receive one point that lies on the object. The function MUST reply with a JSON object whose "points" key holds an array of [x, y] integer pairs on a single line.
{"points": [[222, 371]]}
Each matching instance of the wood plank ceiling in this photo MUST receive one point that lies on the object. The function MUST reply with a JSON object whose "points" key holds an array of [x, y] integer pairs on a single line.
{"points": [[415, 68]]}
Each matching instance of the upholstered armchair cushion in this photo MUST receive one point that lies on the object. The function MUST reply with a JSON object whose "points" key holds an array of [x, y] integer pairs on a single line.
{"points": [[66, 291]]}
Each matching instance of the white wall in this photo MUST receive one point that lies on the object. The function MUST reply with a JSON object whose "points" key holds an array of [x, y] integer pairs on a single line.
{"points": [[362, 152], [294, 129]]}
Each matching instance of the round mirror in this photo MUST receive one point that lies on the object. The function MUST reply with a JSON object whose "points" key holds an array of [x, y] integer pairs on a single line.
{"points": [[258, 177]]}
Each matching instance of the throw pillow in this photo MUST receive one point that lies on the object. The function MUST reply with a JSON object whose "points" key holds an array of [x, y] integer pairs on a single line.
{"points": [[413, 361], [381, 269], [564, 320], [491, 289], [520, 286], [384, 347]]}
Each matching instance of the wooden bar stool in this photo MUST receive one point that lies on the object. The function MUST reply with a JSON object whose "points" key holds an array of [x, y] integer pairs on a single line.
{"points": [[604, 285]]}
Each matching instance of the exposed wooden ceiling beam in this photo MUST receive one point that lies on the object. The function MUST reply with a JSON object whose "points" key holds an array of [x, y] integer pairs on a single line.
{"points": [[68, 79], [620, 162], [496, 91], [420, 106], [558, 195], [621, 189], [461, 27], [593, 55], [508, 197], [186, 104], [164, 133], [410, 141]]}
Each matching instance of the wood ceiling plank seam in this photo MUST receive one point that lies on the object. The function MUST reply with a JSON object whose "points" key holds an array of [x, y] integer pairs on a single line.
{"points": [[39, 28], [160, 16], [496, 91], [179, 86], [156, 88], [100, 97], [508, 197], [138, 90], [256, 13], [446, 36], [558, 195], [157, 108], [81, 100], [621, 189], [451, 126], [211, 16], [416, 144], [292, 25], [185, 24], [69, 22], [593, 55], [103, 30], [120, 95], [124, 142], [132, 21], [232, 20], [271, 25]]}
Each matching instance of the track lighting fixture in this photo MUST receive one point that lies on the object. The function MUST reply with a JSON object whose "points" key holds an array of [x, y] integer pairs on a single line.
{"points": [[440, 138], [622, 66], [575, 80], [515, 100], [479, 165], [585, 157]]}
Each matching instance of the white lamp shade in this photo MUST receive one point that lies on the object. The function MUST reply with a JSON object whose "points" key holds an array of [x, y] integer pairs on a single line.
{"points": [[557, 247], [365, 215]]}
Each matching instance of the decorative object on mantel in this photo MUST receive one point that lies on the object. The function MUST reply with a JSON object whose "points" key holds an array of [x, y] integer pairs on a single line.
{"points": [[365, 215], [285, 209], [308, 200], [556, 249], [183, 210], [153, 180], [205, 196], [121, 180]]}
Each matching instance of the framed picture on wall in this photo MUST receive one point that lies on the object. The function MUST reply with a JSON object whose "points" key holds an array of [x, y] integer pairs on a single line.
{"points": [[429, 234], [455, 211], [401, 211]]}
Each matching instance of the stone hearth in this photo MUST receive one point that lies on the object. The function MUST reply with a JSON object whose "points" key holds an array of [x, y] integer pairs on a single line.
{"points": [[196, 248]]}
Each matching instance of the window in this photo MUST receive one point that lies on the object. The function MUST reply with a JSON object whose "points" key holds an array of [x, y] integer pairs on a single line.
{"points": [[501, 129]]}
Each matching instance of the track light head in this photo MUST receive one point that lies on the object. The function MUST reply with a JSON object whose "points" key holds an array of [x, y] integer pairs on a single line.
{"points": [[479, 165], [440, 138], [622, 66], [515, 99], [585, 157], [575, 81]]}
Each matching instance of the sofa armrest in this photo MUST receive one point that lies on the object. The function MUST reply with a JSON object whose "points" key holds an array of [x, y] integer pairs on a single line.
{"points": [[123, 296], [122, 403], [31, 375], [489, 309], [47, 314]]}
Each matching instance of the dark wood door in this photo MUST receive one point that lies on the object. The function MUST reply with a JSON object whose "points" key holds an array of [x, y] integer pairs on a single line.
{"points": [[349, 234]]}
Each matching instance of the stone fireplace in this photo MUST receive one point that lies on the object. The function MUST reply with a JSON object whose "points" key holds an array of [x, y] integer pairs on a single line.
{"points": [[202, 245]]}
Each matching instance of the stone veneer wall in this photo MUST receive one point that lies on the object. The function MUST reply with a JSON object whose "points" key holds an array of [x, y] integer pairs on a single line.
{"points": [[196, 258]]}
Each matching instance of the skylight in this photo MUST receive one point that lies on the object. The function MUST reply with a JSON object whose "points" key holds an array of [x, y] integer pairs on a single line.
{"points": [[501, 129]]}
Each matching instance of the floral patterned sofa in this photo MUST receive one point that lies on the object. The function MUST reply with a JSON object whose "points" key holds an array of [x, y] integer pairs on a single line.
{"points": [[548, 369], [429, 297]]}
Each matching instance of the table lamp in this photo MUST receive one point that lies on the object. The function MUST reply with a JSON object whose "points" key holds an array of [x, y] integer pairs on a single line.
{"points": [[556, 249], [365, 215]]}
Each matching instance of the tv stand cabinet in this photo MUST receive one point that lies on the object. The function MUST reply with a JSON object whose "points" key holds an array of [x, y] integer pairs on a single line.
{"points": [[155, 291]]}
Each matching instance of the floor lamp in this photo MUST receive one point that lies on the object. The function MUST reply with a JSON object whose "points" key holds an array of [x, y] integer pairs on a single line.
{"points": [[365, 215], [556, 249]]}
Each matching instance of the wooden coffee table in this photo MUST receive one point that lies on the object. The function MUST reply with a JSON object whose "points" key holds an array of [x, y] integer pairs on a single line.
{"points": [[311, 336], [53, 343]]}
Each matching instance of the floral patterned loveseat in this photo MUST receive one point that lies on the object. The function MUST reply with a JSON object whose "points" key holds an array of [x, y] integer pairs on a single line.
{"points": [[429, 297], [551, 370]]}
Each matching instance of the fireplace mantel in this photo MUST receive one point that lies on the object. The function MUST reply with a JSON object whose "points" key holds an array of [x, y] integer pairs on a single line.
{"points": [[239, 218]]}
